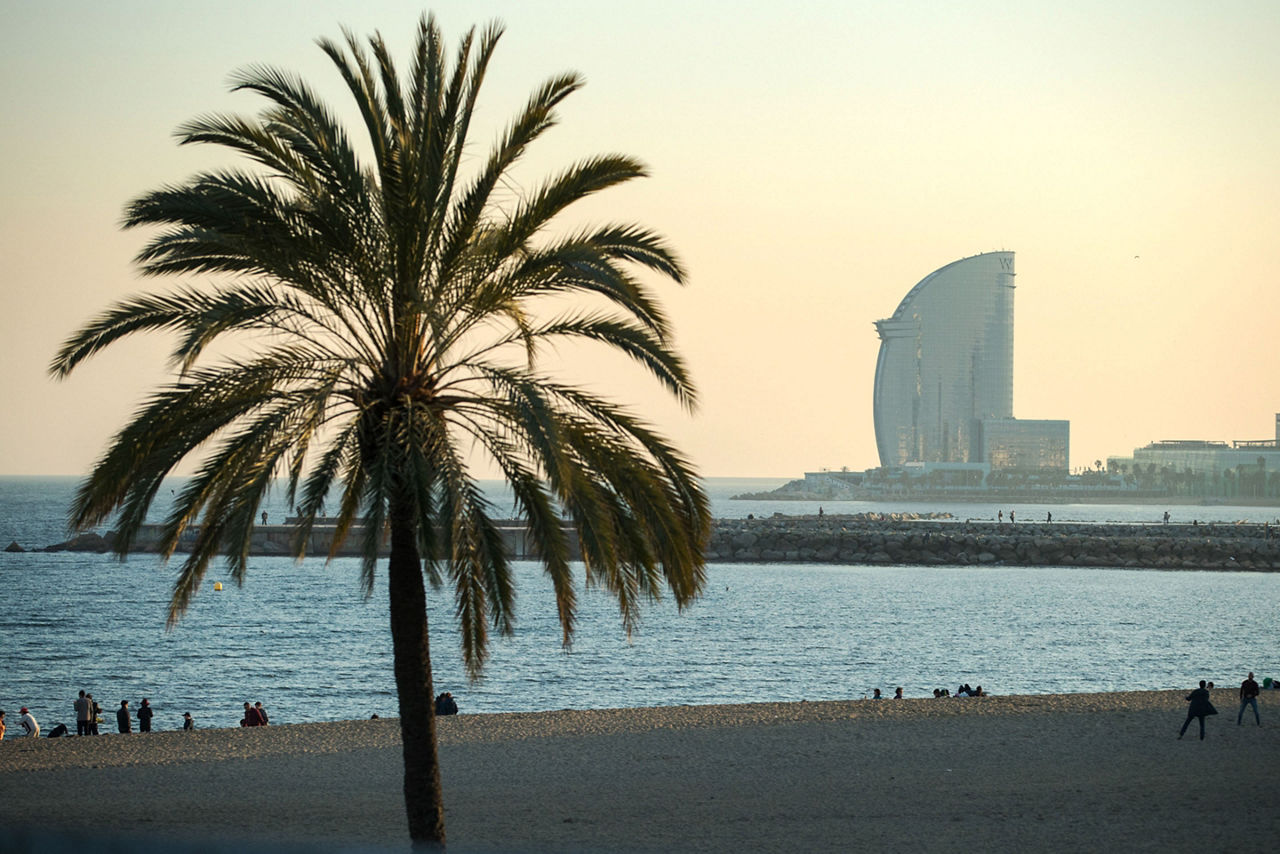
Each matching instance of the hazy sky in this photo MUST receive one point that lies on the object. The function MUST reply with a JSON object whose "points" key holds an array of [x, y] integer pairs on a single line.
{"points": [[810, 164]]}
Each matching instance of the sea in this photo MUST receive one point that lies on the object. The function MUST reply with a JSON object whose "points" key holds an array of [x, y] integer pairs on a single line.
{"points": [[301, 637]]}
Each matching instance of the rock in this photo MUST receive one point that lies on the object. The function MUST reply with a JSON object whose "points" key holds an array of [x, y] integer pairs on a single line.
{"points": [[82, 543], [14, 547]]}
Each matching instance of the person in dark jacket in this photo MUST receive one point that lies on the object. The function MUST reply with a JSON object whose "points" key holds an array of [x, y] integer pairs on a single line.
{"points": [[124, 723], [1199, 708], [252, 717], [1249, 697], [446, 705], [145, 714]]}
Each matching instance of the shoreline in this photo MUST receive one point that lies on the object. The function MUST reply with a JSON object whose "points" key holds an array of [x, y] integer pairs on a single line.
{"points": [[1004, 773]]}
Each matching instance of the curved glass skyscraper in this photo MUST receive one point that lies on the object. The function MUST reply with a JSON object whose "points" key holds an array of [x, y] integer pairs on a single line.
{"points": [[946, 363]]}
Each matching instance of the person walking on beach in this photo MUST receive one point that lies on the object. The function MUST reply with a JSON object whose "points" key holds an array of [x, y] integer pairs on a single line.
{"points": [[124, 723], [145, 714], [1199, 708], [84, 713], [1248, 697]]}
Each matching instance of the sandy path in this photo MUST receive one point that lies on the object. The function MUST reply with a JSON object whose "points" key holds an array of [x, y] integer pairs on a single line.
{"points": [[1101, 771]]}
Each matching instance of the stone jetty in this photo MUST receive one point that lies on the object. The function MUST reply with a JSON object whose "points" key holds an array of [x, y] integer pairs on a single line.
{"points": [[889, 539]]}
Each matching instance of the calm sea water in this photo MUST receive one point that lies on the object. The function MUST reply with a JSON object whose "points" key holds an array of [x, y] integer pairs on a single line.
{"points": [[302, 639]]}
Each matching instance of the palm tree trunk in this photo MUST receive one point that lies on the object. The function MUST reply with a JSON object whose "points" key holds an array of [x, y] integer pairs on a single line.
{"points": [[423, 798]]}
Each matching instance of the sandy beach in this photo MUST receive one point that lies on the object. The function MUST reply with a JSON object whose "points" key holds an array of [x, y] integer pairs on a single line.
{"points": [[1031, 773]]}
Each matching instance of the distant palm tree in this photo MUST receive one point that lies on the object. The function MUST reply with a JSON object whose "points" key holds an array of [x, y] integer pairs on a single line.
{"points": [[395, 312]]}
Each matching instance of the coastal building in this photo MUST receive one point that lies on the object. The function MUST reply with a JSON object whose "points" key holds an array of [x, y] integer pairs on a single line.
{"points": [[944, 376], [1026, 444], [1240, 468]]}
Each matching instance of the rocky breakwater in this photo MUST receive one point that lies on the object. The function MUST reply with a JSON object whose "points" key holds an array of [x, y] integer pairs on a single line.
{"points": [[902, 539], [873, 539]]}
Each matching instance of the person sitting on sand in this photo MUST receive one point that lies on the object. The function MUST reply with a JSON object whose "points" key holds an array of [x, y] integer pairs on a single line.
{"points": [[252, 717], [446, 705], [1199, 708], [263, 720], [875, 695], [897, 694], [30, 727], [188, 722]]}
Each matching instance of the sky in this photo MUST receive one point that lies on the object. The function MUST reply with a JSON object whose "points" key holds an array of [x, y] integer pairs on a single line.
{"points": [[810, 165]]}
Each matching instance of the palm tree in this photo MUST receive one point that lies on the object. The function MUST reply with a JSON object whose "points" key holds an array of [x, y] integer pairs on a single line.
{"points": [[390, 316]]}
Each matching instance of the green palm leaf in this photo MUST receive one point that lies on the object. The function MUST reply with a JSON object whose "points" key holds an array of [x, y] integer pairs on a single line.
{"points": [[393, 309]]}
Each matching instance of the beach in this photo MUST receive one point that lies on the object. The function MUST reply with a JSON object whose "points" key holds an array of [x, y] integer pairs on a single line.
{"points": [[1054, 772]]}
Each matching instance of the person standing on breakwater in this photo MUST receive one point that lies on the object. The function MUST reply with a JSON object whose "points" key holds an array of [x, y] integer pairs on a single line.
{"points": [[124, 723], [1166, 517], [1248, 697], [84, 713], [188, 722], [145, 714], [95, 712], [1012, 518], [1199, 708]]}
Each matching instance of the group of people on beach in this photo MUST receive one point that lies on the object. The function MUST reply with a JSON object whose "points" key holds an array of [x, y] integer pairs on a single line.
{"points": [[254, 715], [89, 717], [1201, 706], [963, 691]]}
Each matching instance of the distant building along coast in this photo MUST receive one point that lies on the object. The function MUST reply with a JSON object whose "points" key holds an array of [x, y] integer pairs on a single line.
{"points": [[944, 423], [944, 377], [1245, 468]]}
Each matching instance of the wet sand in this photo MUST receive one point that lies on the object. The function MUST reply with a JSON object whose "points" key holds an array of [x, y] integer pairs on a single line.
{"points": [[1062, 773]]}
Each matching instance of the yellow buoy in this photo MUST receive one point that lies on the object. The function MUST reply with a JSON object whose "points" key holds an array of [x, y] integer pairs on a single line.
{"points": [[217, 585]]}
